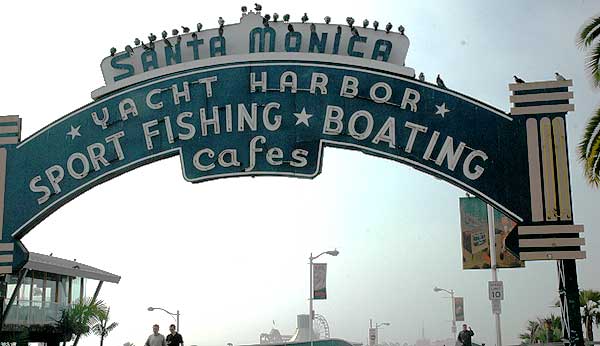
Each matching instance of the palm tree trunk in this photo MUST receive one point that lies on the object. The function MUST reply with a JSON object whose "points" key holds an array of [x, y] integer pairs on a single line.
{"points": [[101, 340], [589, 330]]}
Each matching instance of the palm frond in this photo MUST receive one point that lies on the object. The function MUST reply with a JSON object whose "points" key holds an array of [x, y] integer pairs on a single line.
{"points": [[591, 64], [589, 33], [112, 326], [589, 149]]}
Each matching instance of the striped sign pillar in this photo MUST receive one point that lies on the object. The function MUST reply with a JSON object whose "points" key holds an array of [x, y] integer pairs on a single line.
{"points": [[10, 134], [551, 234]]}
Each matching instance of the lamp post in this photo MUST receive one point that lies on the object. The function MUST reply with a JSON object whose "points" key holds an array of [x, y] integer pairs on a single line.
{"points": [[311, 314], [451, 292], [170, 313], [377, 326]]}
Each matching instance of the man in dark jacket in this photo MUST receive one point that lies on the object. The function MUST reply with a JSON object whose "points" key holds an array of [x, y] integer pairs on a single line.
{"points": [[464, 337], [174, 338]]}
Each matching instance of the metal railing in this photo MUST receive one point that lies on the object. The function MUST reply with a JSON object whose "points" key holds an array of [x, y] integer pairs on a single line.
{"points": [[28, 312]]}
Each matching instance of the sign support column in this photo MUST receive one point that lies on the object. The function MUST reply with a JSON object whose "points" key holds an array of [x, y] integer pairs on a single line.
{"points": [[492, 236]]}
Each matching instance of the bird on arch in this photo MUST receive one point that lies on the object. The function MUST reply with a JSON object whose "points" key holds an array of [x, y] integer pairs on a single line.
{"points": [[518, 80], [440, 82], [559, 77]]}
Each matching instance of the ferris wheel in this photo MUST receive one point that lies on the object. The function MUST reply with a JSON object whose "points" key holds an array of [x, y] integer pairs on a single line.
{"points": [[321, 327]]}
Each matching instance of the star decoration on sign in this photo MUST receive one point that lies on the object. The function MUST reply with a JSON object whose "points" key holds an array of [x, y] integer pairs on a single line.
{"points": [[303, 117], [74, 132], [442, 110]]}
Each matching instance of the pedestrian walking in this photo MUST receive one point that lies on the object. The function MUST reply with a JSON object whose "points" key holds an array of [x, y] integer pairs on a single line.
{"points": [[156, 338], [174, 338]]}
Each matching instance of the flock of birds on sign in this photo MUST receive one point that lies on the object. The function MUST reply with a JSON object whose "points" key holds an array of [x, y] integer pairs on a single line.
{"points": [[286, 18]]}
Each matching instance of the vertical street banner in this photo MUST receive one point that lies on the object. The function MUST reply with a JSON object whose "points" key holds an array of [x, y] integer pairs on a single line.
{"points": [[475, 237], [319, 280], [459, 308], [373, 337]]}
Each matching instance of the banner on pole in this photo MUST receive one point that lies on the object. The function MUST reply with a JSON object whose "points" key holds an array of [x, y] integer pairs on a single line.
{"points": [[319, 280], [373, 337], [475, 237], [459, 308]]}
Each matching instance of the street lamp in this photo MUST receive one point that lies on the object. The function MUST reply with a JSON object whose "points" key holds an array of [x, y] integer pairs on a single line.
{"points": [[170, 313], [451, 292], [311, 314], [377, 326]]}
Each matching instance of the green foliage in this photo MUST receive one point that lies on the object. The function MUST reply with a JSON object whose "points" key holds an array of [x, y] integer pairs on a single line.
{"points": [[78, 318], [101, 326], [541, 329], [589, 147], [589, 301]]}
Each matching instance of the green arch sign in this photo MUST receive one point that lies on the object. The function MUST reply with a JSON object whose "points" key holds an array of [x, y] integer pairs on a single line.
{"points": [[269, 117], [266, 97]]}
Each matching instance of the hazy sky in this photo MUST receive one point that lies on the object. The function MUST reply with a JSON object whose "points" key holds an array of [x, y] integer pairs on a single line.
{"points": [[232, 254]]}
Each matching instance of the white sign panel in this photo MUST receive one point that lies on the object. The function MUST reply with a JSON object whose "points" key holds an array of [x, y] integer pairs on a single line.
{"points": [[496, 290], [496, 306]]}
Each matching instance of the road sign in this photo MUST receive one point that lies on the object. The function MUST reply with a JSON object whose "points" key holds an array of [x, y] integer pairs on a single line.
{"points": [[496, 290], [496, 306]]}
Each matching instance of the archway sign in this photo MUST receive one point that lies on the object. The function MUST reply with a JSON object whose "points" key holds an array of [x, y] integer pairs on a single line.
{"points": [[264, 97]]}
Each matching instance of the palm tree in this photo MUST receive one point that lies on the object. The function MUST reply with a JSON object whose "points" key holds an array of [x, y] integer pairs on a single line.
{"points": [[101, 326], [589, 301], [589, 147], [547, 329], [529, 337], [77, 318]]}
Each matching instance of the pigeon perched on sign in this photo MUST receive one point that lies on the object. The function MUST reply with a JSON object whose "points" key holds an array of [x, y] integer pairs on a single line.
{"points": [[199, 27], [221, 22], [388, 27], [421, 77], [185, 29], [559, 76], [350, 21], [304, 18], [244, 9], [518, 80], [164, 34], [440, 82], [137, 41], [365, 23], [152, 37], [257, 7], [275, 17], [286, 18], [375, 25], [327, 19], [113, 50]]}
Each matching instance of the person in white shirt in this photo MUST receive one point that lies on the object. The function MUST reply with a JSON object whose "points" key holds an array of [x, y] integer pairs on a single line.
{"points": [[156, 339]]}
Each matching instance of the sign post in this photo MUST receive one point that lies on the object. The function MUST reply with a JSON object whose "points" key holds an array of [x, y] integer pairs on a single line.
{"points": [[495, 302]]}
